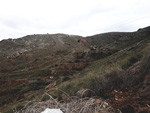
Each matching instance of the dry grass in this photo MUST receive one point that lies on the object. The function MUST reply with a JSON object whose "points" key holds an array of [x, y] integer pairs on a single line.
{"points": [[71, 105]]}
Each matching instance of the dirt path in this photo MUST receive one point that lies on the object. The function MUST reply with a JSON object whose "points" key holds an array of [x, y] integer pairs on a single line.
{"points": [[58, 41]]}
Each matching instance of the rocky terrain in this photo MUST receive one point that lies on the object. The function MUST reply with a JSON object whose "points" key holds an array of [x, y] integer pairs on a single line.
{"points": [[113, 66]]}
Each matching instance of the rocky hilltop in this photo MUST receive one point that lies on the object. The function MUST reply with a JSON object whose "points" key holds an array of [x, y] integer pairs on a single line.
{"points": [[115, 66]]}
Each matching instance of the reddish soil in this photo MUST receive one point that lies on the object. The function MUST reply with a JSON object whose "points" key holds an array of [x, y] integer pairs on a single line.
{"points": [[132, 100], [71, 66]]}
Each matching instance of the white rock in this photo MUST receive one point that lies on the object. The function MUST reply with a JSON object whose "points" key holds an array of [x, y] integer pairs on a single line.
{"points": [[47, 110]]}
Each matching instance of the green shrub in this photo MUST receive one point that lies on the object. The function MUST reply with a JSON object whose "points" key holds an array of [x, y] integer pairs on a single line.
{"points": [[131, 60], [106, 83]]}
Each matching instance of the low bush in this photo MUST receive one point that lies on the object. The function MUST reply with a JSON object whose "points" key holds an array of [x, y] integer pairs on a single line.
{"points": [[131, 60], [106, 83]]}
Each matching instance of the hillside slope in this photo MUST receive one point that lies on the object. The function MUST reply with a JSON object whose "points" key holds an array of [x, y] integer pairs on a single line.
{"points": [[32, 65]]}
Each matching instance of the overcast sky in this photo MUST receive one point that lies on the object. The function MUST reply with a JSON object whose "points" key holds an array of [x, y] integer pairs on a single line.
{"points": [[78, 17]]}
